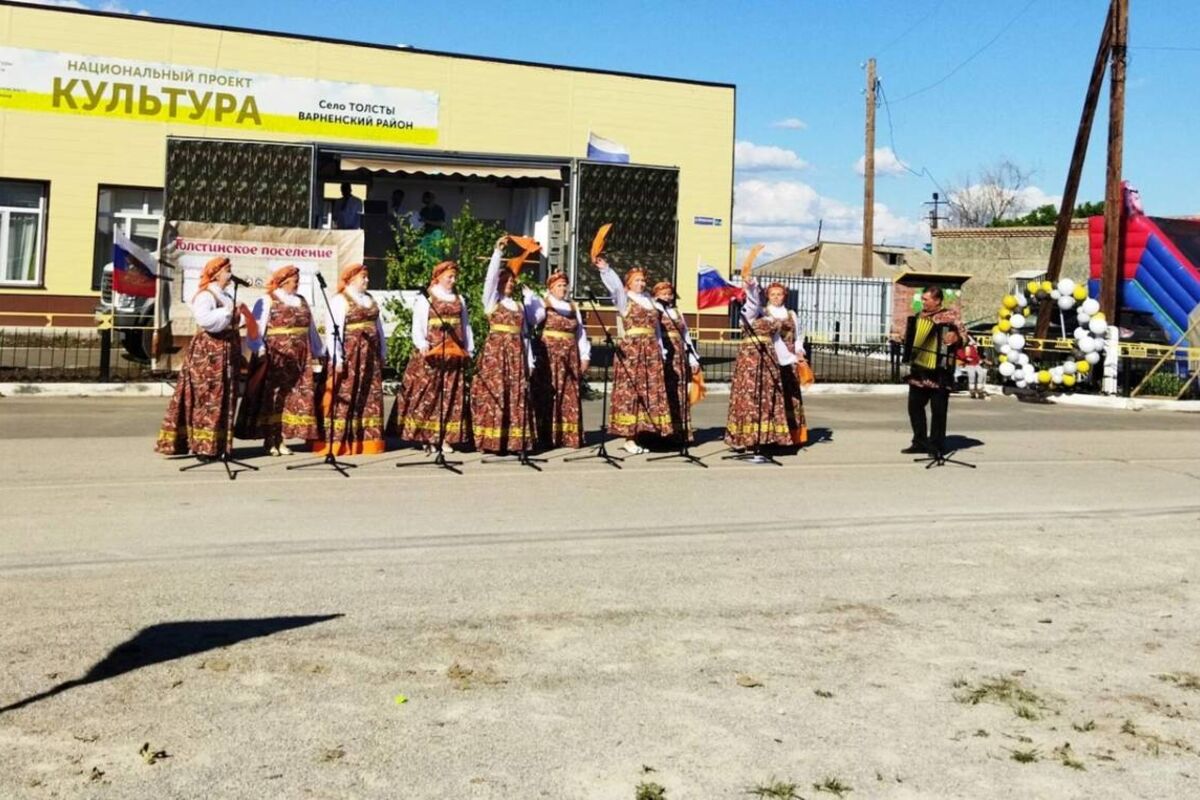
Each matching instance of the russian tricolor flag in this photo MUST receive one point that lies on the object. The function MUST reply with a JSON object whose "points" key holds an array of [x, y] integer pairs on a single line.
{"points": [[601, 149], [713, 290], [134, 269]]}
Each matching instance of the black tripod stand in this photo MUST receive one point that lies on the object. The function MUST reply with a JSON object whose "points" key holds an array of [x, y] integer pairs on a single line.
{"points": [[231, 379], [756, 455], [339, 343], [685, 410], [439, 459], [602, 448], [522, 456]]}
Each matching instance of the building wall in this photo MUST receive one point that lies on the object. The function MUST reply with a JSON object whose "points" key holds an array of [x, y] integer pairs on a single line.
{"points": [[484, 107], [990, 255]]}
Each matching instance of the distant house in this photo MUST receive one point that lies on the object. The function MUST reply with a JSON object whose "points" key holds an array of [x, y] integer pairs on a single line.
{"points": [[844, 259]]}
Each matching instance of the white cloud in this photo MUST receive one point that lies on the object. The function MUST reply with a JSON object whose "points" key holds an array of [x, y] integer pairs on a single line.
{"points": [[791, 124], [109, 5], [752, 157], [785, 215], [886, 163]]}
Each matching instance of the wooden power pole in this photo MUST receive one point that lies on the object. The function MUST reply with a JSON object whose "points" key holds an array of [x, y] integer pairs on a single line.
{"points": [[1113, 201], [868, 246], [1066, 211]]}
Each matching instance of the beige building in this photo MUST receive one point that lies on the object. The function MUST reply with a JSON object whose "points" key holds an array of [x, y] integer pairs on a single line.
{"points": [[116, 121], [993, 256]]}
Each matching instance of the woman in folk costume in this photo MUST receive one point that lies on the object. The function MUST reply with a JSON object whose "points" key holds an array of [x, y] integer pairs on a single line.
{"points": [[500, 418], [761, 410], [678, 343], [198, 417], [356, 367], [433, 393], [792, 338], [563, 356], [639, 400], [280, 403]]}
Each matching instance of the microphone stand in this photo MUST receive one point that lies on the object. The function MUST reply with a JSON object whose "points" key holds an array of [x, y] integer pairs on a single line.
{"points": [[231, 378], [756, 454], [523, 457], [602, 448], [339, 344], [685, 412], [439, 460]]}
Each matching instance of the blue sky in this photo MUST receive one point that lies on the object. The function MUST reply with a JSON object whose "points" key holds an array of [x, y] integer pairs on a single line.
{"points": [[1018, 98]]}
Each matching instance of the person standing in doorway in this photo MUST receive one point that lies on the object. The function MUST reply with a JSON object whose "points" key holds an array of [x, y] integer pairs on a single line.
{"points": [[347, 210], [433, 216]]}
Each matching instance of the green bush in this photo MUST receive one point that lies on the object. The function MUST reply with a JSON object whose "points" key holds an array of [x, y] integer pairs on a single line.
{"points": [[1163, 384], [410, 262]]}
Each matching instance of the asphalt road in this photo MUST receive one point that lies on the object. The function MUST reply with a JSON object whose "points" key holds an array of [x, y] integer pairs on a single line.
{"points": [[575, 632]]}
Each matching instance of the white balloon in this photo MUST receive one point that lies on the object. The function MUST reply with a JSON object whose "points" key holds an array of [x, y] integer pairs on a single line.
{"points": [[1055, 294], [1007, 369], [1016, 341], [1017, 321], [1023, 359], [1097, 327], [1065, 302], [1083, 318], [1090, 306], [1068, 367], [1087, 344], [1066, 286], [1021, 384], [1028, 372], [1056, 375], [1080, 333], [1022, 300], [1005, 349], [1000, 339], [1092, 358]]}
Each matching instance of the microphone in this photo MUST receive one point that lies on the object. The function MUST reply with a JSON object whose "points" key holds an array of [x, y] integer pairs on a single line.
{"points": [[321, 280], [240, 281]]}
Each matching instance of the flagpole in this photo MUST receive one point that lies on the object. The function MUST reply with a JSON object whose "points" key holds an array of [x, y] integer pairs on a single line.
{"points": [[699, 261]]}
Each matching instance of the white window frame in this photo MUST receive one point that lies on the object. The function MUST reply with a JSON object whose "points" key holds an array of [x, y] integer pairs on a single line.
{"points": [[5, 214], [125, 217]]}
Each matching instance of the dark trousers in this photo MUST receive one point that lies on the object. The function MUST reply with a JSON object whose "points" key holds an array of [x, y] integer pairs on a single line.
{"points": [[939, 402]]}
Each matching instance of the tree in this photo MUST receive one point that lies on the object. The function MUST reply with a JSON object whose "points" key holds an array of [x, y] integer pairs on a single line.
{"points": [[1048, 215], [411, 260], [997, 193]]}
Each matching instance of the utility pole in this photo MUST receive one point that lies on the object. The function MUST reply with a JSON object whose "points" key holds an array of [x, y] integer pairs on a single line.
{"points": [[934, 216], [1071, 191], [1113, 202], [868, 248]]}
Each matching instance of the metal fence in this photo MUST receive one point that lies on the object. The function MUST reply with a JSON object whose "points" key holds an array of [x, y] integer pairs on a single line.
{"points": [[837, 310], [66, 354]]}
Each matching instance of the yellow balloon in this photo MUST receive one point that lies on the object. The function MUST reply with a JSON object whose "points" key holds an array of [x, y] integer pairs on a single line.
{"points": [[1032, 287], [1098, 315], [1047, 287], [1043, 376], [1009, 301], [1083, 367], [1003, 358], [1005, 326], [1080, 293], [1068, 380], [1005, 313]]}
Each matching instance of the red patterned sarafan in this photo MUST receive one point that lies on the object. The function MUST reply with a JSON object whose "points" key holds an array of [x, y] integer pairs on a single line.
{"points": [[498, 409], [357, 413], [198, 416], [557, 377], [415, 415], [758, 405], [284, 407], [639, 399], [675, 374]]}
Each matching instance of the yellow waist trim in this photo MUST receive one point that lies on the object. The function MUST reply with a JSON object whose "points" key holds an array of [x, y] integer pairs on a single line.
{"points": [[286, 331], [360, 326], [639, 331], [557, 335], [441, 322], [500, 327]]}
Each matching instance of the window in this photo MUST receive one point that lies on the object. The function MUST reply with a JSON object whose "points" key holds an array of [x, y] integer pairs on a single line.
{"points": [[22, 231], [137, 212]]}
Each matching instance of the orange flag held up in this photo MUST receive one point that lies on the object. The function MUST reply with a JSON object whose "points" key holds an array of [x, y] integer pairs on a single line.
{"points": [[749, 262], [598, 242], [528, 246]]}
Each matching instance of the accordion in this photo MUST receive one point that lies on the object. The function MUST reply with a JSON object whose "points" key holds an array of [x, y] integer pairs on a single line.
{"points": [[926, 350]]}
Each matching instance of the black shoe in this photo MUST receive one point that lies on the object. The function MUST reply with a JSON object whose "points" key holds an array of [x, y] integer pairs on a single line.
{"points": [[915, 449]]}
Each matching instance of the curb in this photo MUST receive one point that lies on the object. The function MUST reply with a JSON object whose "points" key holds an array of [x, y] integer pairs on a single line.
{"points": [[142, 389], [1125, 403]]}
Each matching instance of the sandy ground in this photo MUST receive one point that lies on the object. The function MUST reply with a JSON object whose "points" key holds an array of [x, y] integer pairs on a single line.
{"points": [[576, 632]]}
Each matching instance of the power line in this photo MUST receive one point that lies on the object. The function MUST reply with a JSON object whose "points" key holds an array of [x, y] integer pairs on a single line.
{"points": [[971, 57], [1166, 48], [887, 108], [937, 7]]}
